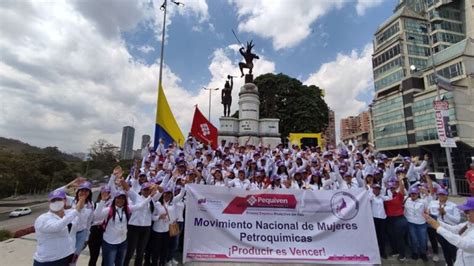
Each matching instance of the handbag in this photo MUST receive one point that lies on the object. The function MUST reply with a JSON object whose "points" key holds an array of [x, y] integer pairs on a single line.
{"points": [[173, 228]]}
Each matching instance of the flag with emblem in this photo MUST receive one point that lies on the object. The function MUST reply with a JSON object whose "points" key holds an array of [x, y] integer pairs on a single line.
{"points": [[203, 130]]}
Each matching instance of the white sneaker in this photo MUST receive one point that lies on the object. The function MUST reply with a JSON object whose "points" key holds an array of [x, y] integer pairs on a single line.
{"points": [[174, 262], [168, 263], [435, 258]]}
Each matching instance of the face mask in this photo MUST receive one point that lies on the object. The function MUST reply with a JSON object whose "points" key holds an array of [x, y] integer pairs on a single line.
{"points": [[56, 206]]}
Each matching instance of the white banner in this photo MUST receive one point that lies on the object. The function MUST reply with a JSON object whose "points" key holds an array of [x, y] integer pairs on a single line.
{"points": [[445, 135], [290, 226]]}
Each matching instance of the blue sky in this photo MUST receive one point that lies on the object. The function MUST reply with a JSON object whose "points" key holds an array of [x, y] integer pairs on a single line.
{"points": [[99, 60]]}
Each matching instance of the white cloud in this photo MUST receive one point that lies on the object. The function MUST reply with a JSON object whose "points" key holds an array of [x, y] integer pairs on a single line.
{"points": [[234, 47], [146, 49], [65, 83], [363, 5], [288, 22], [197, 9], [111, 17], [347, 77]]}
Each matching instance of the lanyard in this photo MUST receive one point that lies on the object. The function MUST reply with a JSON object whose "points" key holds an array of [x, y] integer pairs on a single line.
{"points": [[120, 216]]}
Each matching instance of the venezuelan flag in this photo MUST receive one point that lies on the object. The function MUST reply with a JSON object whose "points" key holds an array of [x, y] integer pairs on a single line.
{"points": [[166, 126]]}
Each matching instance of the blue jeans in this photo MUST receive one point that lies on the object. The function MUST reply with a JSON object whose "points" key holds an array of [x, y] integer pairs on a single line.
{"points": [[418, 238], [113, 254], [81, 238], [173, 247]]}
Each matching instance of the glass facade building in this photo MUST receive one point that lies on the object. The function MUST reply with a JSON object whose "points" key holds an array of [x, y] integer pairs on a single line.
{"points": [[414, 22]]}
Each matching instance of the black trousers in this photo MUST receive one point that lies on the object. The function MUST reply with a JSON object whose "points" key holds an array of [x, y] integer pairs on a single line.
{"points": [[380, 227], [137, 237], [433, 237], [61, 262], [397, 228], [159, 245], [95, 242], [449, 250]]}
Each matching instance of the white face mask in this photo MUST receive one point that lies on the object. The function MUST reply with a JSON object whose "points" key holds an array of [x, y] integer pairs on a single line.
{"points": [[56, 206]]}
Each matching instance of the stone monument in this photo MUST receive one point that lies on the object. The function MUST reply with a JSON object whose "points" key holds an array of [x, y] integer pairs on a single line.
{"points": [[249, 128]]}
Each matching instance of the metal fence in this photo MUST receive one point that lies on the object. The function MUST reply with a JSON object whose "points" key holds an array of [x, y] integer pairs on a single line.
{"points": [[463, 187]]}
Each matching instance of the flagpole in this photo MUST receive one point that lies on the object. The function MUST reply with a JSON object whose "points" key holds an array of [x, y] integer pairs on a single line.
{"points": [[162, 53], [163, 7]]}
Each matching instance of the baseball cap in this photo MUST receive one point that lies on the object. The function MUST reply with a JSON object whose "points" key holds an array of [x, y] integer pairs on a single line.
{"points": [[57, 194]]}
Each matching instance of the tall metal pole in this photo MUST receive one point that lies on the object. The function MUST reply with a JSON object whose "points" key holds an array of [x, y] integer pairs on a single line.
{"points": [[452, 181], [210, 91], [210, 102], [162, 43], [163, 7]]}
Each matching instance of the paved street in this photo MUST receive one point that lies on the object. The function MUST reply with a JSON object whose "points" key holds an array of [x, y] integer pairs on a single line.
{"points": [[22, 222], [18, 223]]}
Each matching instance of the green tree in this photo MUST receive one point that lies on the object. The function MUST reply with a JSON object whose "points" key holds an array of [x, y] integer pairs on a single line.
{"points": [[102, 150], [104, 157], [299, 107]]}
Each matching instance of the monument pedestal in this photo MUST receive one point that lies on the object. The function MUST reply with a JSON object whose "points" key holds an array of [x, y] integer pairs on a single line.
{"points": [[249, 128], [229, 129]]}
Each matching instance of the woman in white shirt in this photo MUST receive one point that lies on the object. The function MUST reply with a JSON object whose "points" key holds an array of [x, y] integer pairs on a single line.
{"points": [[178, 205], [447, 212], [378, 212], [240, 181], [315, 181], [96, 232], [54, 244], [83, 222], [114, 245], [218, 179], [461, 235], [165, 214], [414, 209]]}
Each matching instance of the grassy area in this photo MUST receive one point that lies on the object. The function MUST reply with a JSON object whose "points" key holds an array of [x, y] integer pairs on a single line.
{"points": [[5, 234]]}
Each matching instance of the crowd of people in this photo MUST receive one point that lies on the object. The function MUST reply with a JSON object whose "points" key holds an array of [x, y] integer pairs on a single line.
{"points": [[141, 215]]}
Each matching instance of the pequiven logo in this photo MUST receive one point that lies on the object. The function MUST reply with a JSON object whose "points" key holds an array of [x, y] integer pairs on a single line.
{"points": [[239, 204]]}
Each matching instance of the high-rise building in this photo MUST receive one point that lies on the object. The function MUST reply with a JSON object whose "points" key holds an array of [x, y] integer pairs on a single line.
{"points": [[356, 128], [349, 126], [329, 134], [423, 37], [145, 140], [126, 148]]}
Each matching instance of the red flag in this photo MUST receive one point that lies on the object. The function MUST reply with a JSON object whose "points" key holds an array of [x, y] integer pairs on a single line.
{"points": [[203, 130]]}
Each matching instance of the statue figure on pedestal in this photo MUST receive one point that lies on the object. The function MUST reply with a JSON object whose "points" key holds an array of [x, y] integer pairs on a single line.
{"points": [[226, 96], [248, 56]]}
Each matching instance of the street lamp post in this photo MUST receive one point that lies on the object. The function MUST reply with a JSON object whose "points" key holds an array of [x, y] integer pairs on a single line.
{"points": [[210, 92], [452, 180]]}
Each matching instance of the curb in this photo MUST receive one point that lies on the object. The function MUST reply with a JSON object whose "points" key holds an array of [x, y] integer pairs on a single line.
{"points": [[24, 232]]}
